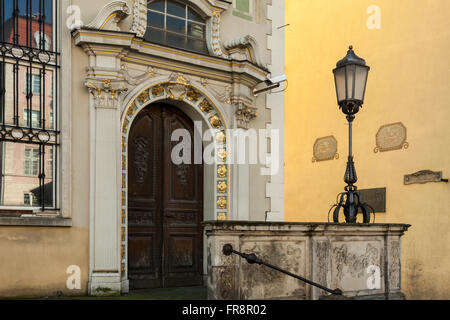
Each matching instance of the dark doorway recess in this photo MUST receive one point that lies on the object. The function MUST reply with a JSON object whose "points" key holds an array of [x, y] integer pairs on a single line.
{"points": [[165, 204]]}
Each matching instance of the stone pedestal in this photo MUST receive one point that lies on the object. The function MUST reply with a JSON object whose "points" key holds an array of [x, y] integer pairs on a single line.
{"points": [[364, 261]]}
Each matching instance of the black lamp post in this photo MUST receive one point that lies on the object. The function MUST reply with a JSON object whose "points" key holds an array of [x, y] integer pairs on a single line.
{"points": [[350, 78]]}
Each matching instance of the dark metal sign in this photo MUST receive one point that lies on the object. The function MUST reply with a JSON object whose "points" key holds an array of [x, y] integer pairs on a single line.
{"points": [[376, 198]]}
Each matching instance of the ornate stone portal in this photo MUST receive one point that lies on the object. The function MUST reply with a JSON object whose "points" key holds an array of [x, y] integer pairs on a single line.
{"points": [[124, 75]]}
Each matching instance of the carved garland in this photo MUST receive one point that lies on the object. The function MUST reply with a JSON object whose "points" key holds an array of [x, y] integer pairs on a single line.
{"points": [[215, 36], [179, 88], [139, 18]]}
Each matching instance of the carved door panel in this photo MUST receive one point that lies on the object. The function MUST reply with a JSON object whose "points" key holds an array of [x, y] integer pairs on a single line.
{"points": [[165, 206], [144, 200], [183, 209]]}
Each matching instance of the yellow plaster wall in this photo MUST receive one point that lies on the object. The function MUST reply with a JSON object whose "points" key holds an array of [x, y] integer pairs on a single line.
{"points": [[409, 82], [35, 260]]}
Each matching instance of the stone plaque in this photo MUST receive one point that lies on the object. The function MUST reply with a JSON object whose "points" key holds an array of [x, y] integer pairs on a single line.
{"points": [[375, 198], [391, 137], [325, 149], [422, 177]]}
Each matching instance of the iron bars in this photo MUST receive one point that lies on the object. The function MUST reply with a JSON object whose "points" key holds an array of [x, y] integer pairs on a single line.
{"points": [[29, 135]]}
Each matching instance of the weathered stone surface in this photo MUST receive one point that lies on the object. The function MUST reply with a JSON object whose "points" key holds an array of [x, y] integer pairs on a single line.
{"points": [[350, 261], [260, 282], [362, 260]]}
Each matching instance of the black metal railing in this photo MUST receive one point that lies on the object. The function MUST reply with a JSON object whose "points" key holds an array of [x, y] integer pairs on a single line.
{"points": [[252, 259], [29, 129]]}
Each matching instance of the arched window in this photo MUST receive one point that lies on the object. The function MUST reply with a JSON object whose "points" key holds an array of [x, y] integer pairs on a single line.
{"points": [[175, 24]]}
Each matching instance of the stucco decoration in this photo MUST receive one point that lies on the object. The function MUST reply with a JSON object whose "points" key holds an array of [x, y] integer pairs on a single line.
{"points": [[244, 48], [139, 25], [222, 93], [391, 137], [135, 77], [245, 114], [213, 41], [106, 93], [110, 15], [324, 149]]}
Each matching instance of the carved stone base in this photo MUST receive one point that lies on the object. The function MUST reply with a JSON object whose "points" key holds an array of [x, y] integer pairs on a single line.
{"points": [[362, 260], [104, 284]]}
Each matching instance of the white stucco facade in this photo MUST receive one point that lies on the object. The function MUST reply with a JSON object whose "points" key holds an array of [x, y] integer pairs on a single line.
{"points": [[122, 73]]}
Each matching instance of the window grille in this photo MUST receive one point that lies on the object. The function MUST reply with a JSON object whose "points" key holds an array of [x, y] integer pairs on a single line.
{"points": [[29, 135]]}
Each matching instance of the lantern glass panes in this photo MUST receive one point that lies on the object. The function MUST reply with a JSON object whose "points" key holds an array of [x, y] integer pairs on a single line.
{"points": [[350, 78]]}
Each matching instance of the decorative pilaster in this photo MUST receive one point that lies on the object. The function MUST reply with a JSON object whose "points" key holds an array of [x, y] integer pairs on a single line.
{"points": [[105, 247]]}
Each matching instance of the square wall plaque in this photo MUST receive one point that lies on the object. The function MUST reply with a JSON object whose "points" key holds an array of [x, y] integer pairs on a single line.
{"points": [[375, 198]]}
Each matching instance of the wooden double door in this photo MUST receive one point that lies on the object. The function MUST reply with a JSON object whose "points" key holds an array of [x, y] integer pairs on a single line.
{"points": [[165, 204]]}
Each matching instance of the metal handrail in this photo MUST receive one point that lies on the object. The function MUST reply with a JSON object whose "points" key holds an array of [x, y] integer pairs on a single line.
{"points": [[252, 259]]}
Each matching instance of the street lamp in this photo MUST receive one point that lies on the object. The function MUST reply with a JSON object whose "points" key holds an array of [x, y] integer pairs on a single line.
{"points": [[350, 78]]}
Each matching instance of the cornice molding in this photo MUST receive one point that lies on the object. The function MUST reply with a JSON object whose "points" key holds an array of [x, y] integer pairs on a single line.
{"points": [[126, 45]]}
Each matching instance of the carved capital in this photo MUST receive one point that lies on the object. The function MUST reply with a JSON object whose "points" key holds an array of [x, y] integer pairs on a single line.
{"points": [[245, 114], [106, 93]]}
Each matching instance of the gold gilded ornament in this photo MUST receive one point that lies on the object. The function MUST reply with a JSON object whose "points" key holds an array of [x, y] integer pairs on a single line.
{"points": [[215, 122], [222, 187], [143, 97], [222, 154], [181, 80], [205, 106], [222, 203], [158, 91], [222, 216], [222, 171], [130, 111], [193, 95], [221, 137]]}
